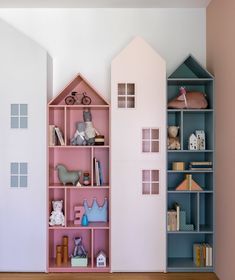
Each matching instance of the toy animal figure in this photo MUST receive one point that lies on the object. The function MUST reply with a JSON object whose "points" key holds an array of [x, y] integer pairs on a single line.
{"points": [[90, 131], [189, 100], [173, 142], [66, 176], [79, 136], [79, 250], [57, 216]]}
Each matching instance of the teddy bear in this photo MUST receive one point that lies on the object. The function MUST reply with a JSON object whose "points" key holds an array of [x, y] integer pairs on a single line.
{"points": [[173, 142], [79, 250], [57, 216], [79, 135]]}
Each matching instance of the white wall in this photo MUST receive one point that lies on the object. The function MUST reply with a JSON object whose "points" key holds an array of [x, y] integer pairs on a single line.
{"points": [[23, 79], [86, 40]]}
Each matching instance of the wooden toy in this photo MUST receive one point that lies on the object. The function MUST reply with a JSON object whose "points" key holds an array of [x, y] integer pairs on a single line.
{"points": [[57, 216], [65, 249], [58, 255], [178, 165], [79, 211], [101, 259], [66, 176], [188, 184]]}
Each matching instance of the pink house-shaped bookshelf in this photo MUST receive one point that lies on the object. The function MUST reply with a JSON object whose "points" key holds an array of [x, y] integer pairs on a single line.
{"points": [[95, 236]]}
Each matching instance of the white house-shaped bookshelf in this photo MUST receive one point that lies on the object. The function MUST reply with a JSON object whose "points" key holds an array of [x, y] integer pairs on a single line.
{"points": [[138, 137]]}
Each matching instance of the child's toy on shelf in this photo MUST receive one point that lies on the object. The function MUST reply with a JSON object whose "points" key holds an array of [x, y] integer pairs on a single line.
{"points": [[188, 184], [79, 256], [77, 99], [65, 249], [178, 165], [101, 259], [86, 179], [58, 255], [66, 176], [79, 135], [85, 221], [188, 100], [78, 213], [57, 216], [90, 131], [173, 142], [96, 213], [197, 140]]}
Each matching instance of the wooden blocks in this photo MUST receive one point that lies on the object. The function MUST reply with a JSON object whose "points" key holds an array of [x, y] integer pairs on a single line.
{"points": [[188, 184], [65, 249], [58, 255], [178, 166]]}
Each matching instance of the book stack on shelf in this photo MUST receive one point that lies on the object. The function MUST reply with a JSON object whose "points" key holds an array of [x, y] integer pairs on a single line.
{"points": [[200, 165], [202, 254], [55, 136]]}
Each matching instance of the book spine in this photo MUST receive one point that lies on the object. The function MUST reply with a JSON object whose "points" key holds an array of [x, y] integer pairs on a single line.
{"points": [[59, 135], [100, 173], [97, 173]]}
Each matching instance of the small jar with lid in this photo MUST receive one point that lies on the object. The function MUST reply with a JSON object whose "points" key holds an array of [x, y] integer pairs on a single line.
{"points": [[86, 179]]}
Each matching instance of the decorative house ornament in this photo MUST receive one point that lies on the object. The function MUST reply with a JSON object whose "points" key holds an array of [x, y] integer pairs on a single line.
{"points": [[96, 213], [201, 140], [65, 176], [192, 143], [57, 216], [101, 259]]}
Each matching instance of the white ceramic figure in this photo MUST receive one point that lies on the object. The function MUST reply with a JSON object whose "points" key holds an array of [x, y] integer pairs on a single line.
{"points": [[57, 216]]}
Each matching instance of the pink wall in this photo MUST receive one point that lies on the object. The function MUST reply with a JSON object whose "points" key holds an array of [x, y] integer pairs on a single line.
{"points": [[221, 62]]}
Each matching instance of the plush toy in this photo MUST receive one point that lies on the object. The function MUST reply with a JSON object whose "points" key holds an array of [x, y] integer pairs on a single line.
{"points": [[90, 131], [79, 250], [79, 135], [173, 142], [57, 216], [66, 176]]}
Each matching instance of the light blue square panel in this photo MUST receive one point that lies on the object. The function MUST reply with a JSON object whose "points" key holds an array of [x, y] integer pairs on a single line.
{"points": [[23, 109], [23, 122], [14, 122], [23, 181], [14, 109], [14, 181], [14, 168], [23, 168]]}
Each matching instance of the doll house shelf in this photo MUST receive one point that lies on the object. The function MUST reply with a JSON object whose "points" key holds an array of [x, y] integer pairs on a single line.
{"points": [[96, 235], [199, 205]]}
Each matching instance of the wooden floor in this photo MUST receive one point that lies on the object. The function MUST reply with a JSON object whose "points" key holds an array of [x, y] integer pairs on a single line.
{"points": [[111, 276]]}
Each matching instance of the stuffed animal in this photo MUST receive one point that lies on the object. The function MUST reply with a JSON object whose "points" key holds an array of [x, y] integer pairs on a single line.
{"points": [[79, 250], [79, 135], [90, 131], [173, 142], [57, 216], [66, 176]]}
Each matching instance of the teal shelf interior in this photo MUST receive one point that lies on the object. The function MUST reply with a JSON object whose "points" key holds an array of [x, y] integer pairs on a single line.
{"points": [[206, 212]]}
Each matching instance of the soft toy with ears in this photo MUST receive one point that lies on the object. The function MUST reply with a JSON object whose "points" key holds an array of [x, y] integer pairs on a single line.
{"points": [[173, 142]]}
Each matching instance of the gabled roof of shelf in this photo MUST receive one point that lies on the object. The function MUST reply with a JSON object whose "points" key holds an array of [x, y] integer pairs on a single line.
{"points": [[191, 69], [80, 85]]}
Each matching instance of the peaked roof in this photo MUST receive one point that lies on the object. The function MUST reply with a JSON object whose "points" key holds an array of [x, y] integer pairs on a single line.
{"points": [[191, 69], [80, 85]]}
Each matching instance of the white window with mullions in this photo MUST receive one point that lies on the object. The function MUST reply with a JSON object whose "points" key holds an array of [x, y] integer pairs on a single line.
{"points": [[19, 174], [150, 181], [150, 140], [19, 116], [126, 95]]}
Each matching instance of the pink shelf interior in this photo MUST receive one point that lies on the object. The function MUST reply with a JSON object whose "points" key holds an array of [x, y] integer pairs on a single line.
{"points": [[101, 242], [102, 154]]}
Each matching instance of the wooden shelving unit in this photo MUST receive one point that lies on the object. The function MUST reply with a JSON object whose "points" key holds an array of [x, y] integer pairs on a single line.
{"points": [[199, 206], [95, 236]]}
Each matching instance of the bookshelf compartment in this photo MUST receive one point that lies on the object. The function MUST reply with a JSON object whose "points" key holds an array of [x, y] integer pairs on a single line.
{"points": [[73, 159], [101, 243], [206, 212], [204, 180], [76, 197], [198, 121], [188, 202], [57, 117], [102, 155]]}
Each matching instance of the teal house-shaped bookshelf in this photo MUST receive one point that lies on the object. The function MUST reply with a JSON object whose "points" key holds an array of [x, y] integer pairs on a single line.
{"points": [[198, 205]]}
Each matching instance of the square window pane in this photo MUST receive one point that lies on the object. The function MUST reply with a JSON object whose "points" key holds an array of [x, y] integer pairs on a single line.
{"points": [[23, 181], [155, 175], [14, 109], [146, 175], [23, 168], [121, 89], [155, 188], [131, 89], [146, 146], [121, 102], [146, 188], [23, 122], [23, 109], [155, 147], [14, 168], [155, 133], [146, 133], [14, 122], [14, 181], [130, 102]]}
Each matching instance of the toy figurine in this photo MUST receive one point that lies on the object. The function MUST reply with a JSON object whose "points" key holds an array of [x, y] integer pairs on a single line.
{"points": [[57, 216], [79, 250], [66, 176], [90, 131], [79, 135]]}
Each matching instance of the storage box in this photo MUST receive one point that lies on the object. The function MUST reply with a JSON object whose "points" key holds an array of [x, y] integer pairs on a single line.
{"points": [[77, 261], [178, 165]]}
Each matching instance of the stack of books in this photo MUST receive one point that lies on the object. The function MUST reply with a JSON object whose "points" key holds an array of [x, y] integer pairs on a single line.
{"points": [[200, 165], [55, 136], [202, 254], [98, 173], [173, 218]]}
